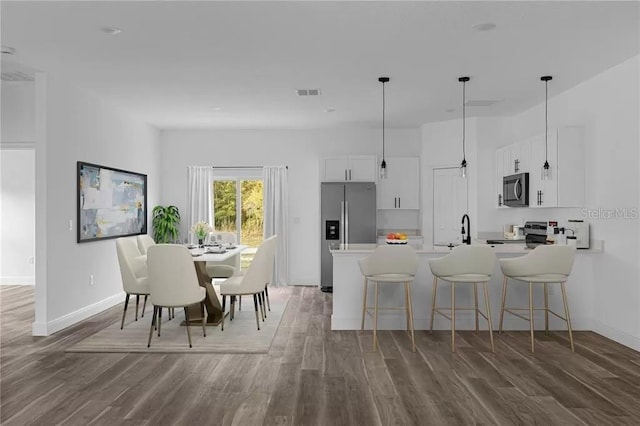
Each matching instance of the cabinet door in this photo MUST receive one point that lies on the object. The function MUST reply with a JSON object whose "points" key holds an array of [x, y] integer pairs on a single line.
{"points": [[334, 169], [499, 165], [543, 193], [401, 188], [362, 168]]}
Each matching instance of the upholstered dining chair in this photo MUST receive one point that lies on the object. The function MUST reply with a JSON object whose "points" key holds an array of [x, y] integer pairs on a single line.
{"points": [[465, 264], [389, 264], [225, 268], [133, 269], [144, 242], [546, 264], [252, 283], [173, 283]]}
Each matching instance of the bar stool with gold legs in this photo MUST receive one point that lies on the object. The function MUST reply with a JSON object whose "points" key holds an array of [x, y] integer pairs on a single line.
{"points": [[465, 264], [391, 264], [546, 265]]}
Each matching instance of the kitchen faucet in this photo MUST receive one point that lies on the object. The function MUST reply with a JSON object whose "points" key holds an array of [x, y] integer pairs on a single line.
{"points": [[467, 239]]}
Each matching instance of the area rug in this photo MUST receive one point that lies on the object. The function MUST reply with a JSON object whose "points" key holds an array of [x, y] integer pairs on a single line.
{"points": [[239, 336]]}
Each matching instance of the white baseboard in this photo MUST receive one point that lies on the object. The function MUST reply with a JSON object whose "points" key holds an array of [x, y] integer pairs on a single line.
{"points": [[17, 280], [45, 329], [616, 335]]}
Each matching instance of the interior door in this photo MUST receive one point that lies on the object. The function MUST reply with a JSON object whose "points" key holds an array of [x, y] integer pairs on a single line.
{"points": [[449, 204]]}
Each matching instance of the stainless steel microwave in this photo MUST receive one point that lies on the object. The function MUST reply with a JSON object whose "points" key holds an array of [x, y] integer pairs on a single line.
{"points": [[515, 190]]}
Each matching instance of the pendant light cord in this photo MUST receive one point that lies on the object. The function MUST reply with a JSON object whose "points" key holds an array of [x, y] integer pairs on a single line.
{"points": [[546, 119], [464, 85], [383, 104]]}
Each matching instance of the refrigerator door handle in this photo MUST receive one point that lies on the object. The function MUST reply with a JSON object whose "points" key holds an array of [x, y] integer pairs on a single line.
{"points": [[346, 222], [342, 235]]}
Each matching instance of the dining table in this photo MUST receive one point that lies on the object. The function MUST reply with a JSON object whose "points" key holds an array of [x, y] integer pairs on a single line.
{"points": [[211, 303]]}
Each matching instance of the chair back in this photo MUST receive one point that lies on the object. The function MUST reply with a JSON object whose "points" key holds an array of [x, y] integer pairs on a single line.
{"points": [[172, 276], [144, 242], [465, 259], [222, 237], [543, 260], [390, 259], [257, 275], [132, 264]]}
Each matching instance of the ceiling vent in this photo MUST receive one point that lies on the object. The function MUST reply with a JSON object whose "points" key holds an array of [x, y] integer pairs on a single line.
{"points": [[16, 76], [308, 92], [480, 103]]}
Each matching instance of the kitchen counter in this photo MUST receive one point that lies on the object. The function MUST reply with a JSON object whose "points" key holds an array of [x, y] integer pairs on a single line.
{"points": [[348, 291]]}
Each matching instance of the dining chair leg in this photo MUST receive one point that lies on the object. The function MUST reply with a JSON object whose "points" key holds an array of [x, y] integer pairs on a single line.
{"points": [[204, 321], [186, 316], [124, 313], [453, 317], [531, 324], [137, 304], [567, 315], [364, 304], [410, 305], [224, 304], [264, 306], [504, 299], [260, 306], [375, 318], [159, 323], [233, 308], [153, 323], [488, 308], [144, 305], [266, 293], [434, 291], [239, 303], [475, 299], [546, 309], [255, 304]]}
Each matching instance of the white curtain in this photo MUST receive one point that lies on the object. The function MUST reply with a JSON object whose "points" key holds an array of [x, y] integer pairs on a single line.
{"points": [[276, 217], [199, 195]]}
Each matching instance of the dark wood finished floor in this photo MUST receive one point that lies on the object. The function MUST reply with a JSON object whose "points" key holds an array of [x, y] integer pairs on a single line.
{"points": [[315, 376]]}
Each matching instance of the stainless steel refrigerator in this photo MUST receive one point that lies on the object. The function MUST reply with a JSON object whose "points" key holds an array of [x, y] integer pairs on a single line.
{"points": [[348, 216]]}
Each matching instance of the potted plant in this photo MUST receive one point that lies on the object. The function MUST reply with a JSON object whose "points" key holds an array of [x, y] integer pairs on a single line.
{"points": [[165, 224]]}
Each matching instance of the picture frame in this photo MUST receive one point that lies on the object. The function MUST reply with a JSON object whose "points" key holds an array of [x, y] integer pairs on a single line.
{"points": [[111, 203]]}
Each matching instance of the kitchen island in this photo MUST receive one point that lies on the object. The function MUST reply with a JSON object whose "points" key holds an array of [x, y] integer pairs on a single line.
{"points": [[348, 286]]}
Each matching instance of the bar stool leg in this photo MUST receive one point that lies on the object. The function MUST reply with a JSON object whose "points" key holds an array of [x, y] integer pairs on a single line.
{"points": [[504, 299], [433, 302], [364, 303], [566, 314], [546, 309], [475, 299], [410, 305], [531, 325], [453, 317], [406, 306], [375, 319], [488, 308]]}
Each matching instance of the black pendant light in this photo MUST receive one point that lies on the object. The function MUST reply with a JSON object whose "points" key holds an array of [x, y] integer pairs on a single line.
{"points": [[383, 164], [546, 172], [463, 164]]}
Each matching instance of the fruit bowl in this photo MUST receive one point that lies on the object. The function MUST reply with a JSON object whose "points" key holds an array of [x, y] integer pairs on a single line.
{"points": [[397, 241]]}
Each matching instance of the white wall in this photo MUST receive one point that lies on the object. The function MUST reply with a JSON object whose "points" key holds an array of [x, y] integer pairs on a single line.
{"points": [[17, 183], [72, 126], [298, 149]]}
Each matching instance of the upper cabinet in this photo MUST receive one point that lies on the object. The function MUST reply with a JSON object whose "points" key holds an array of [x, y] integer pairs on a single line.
{"points": [[510, 160], [353, 168], [565, 154], [401, 188]]}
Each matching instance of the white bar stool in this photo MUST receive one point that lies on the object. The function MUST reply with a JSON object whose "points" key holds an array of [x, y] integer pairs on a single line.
{"points": [[465, 264], [389, 264], [546, 265]]}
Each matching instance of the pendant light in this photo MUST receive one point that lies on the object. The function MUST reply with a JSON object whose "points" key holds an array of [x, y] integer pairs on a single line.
{"points": [[546, 172], [383, 164], [463, 164]]}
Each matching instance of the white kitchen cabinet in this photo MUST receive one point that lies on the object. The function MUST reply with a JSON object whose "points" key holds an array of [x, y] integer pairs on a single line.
{"points": [[401, 188], [353, 168], [565, 153]]}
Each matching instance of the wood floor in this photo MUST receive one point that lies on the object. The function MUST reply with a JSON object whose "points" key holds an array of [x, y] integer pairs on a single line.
{"points": [[315, 376]]}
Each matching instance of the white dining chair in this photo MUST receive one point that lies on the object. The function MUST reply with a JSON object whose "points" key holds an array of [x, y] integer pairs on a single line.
{"points": [[133, 270], [144, 242], [225, 268]]}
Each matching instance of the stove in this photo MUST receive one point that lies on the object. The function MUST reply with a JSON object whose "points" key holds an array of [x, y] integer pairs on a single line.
{"points": [[535, 234]]}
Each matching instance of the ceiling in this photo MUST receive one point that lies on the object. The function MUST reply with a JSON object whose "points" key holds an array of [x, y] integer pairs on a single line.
{"points": [[204, 64]]}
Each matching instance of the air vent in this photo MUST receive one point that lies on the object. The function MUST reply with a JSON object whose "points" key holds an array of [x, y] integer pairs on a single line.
{"points": [[480, 103], [16, 76], [308, 92]]}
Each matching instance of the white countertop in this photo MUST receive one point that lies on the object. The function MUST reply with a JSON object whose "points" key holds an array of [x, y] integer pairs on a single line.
{"points": [[597, 246]]}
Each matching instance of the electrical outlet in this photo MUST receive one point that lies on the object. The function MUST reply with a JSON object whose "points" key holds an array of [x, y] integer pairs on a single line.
{"points": [[90, 279]]}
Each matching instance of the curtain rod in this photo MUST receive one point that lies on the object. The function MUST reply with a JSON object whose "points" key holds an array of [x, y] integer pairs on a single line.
{"points": [[241, 167]]}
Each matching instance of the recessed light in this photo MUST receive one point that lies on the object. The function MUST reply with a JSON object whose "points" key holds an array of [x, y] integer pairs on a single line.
{"points": [[485, 26], [216, 109], [111, 30], [6, 50], [329, 110]]}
